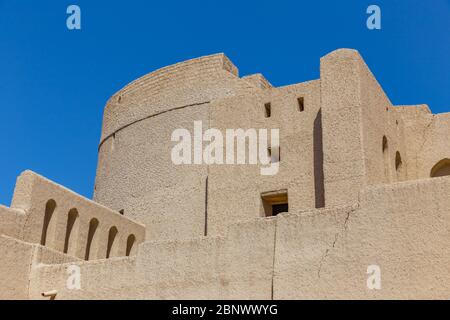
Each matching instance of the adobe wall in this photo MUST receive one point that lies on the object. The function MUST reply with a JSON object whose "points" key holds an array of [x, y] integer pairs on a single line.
{"points": [[237, 266], [234, 191], [12, 222], [403, 228], [186, 83], [135, 171], [142, 180], [426, 138], [356, 116], [349, 136], [41, 211], [332, 154], [18, 260]]}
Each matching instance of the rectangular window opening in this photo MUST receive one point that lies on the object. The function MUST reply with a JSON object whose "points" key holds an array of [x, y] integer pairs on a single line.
{"points": [[274, 203], [301, 104], [268, 109]]}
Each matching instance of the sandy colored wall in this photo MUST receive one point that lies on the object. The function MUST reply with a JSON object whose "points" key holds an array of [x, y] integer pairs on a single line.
{"points": [[380, 119], [141, 178], [329, 151], [135, 171], [19, 258], [357, 115], [427, 139], [342, 117], [234, 192], [331, 155], [16, 258], [239, 266], [403, 228], [12, 222], [32, 196], [186, 83], [436, 144]]}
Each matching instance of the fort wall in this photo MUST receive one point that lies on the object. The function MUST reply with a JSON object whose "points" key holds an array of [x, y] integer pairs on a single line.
{"points": [[66, 222], [321, 253], [362, 181], [234, 191], [17, 262], [347, 135]]}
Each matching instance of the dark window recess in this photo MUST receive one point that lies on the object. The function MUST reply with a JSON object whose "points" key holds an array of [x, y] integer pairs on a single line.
{"points": [[274, 203], [268, 109], [279, 208], [301, 104]]}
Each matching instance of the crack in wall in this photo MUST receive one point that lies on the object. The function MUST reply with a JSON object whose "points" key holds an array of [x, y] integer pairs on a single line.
{"points": [[206, 207], [274, 259], [336, 237]]}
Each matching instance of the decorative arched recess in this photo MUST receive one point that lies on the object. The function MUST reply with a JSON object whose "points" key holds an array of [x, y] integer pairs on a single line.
{"points": [[130, 244], [49, 210], [91, 240], [111, 241], [70, 242], [441, 169]]}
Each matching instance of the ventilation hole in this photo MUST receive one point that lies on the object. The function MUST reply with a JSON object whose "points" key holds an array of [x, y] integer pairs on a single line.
{"points": [[268, 109], [301, 104]]}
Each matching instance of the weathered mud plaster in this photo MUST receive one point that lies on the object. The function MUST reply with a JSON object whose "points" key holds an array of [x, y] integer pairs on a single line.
{"points": [[365, 183]]}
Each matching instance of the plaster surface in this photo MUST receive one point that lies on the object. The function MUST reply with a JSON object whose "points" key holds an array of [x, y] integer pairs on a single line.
{"points": [[366, 183]]}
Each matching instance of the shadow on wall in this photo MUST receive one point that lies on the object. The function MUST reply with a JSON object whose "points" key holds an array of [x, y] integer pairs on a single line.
{"points": [[319, 185], [49, 210]]}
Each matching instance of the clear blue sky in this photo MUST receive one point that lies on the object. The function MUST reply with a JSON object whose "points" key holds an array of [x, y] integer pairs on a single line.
{"points": [[54, 82]]}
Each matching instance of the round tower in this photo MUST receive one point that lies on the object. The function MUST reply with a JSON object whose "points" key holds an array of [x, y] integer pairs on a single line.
{"points": [[135, 173]]}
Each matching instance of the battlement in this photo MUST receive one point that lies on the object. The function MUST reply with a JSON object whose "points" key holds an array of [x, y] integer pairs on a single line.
{"points": [[45, 213]]}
